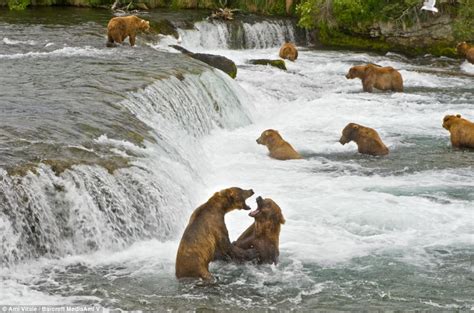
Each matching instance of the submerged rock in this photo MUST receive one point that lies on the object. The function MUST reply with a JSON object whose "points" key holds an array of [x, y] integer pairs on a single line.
{"points": [[224, 64], [275, 63]]}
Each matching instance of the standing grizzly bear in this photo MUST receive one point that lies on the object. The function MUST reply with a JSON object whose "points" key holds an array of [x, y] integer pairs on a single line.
{"points": [[279, 148], [288, 51], [206, 235], [462, 131], [367, 139], [264, 233], [466, 51], [374, 76], [122, 27]]}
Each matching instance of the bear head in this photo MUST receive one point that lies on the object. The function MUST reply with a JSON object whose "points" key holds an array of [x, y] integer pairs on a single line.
{"points": [[356, 72], [144, 25], [269, 138], [267, 211], [462, 48], [349, 133], [449, 120], [234, 198]]}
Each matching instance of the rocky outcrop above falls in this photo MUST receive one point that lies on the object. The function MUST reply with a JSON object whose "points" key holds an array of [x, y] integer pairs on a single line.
{"points": [[411, 31]]}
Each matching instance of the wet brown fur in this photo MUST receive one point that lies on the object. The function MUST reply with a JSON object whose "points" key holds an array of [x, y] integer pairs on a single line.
{"points": [[206, 235], [461, 130], [288, 51], [465, 50], [264, 233], [279, 148], [367, 139], [374, 76], [122, 27]]}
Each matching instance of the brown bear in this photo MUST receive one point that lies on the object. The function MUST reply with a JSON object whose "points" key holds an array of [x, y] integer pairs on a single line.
{"points": [[206, 235], [122, 27], [279, 148], [264, 233], [462, 131], [466, 51], [374, 76], [288, 51], [367, 139]]}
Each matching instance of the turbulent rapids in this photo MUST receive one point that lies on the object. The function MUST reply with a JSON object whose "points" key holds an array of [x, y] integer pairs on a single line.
{"points": [[106, 152]]}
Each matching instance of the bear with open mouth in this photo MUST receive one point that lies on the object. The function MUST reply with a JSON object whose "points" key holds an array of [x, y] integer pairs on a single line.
{"points": [[206, 235], [264, 234]]}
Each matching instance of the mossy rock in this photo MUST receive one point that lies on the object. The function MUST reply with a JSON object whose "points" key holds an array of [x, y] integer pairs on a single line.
{"points": [[165, 27], [220, 62], [22, 169], [110, 164], [275, 63]]}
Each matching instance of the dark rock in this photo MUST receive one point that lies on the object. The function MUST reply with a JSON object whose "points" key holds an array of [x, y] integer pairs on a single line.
{"points": [[217, 61], [275, 63], [165, 27]]}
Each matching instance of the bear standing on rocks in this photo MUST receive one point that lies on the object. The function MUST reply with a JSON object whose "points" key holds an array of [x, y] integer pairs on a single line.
{"points": [[374, 76], [122, 27], [462, 131], [279, 148], [465, 50], [264, 233], [206, 235], [289, 51], [367, 139]]}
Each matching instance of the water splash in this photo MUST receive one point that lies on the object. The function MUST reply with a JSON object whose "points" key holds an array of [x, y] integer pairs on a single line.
{"points": [[86, 208]]}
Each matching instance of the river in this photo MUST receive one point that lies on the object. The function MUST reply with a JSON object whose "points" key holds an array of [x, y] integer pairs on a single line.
{"points": [[106, 152]]}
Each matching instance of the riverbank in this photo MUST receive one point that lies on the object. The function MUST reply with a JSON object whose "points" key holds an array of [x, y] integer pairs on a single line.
{"points": [[399, 27]]}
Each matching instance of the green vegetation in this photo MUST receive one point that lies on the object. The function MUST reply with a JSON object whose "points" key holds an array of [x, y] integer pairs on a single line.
{"points": [[18, 4], [464, 25], [352, 14], [357, 24]]}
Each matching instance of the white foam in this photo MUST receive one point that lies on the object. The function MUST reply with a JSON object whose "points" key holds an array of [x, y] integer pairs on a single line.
{"points": [[13, 42], [64, 52], [467, 67]]}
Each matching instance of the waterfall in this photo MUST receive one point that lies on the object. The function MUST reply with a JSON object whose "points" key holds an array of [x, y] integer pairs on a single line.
{"points": [[86, 208], [238, 35]]}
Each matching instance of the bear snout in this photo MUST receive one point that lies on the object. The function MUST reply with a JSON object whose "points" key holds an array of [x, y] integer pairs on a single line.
{"points": [[259, 141], [343, 140], [348, 76]]}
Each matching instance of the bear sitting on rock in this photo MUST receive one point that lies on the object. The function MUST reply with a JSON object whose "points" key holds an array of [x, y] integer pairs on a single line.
{"points": [[374, 76], [461, 130], [122, 27]]}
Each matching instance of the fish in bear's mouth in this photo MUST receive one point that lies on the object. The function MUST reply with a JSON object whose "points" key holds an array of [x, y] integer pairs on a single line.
{"points": [[258, 209]]}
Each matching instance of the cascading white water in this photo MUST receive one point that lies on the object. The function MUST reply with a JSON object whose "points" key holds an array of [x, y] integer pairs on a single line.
{"points": [[219, 35], [86, 208]]}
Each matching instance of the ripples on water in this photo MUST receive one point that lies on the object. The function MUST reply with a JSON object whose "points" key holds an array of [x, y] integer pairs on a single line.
{"points": [[362, 232]]}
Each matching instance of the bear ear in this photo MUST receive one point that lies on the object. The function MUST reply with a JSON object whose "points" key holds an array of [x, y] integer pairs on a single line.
{"points": [[282, 219], [458, 115], [355, 126]]}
